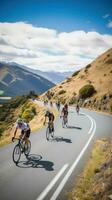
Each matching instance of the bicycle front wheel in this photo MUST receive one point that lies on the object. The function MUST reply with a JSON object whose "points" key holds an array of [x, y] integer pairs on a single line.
{"points": [[27, 148], [16, 154]]}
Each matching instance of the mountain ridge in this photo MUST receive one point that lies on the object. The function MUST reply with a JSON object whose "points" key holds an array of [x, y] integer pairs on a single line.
{"points": [[53, 76], [16, 81]]}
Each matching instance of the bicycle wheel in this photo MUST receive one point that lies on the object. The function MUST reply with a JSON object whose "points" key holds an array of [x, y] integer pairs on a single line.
{"points": [[63, 125], [66, 121], [27, 148], [52, 133], [16, 154], [47, 133]]}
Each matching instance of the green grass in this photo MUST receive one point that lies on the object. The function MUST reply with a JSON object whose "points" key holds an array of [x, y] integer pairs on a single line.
{"points": [[1, 92]]}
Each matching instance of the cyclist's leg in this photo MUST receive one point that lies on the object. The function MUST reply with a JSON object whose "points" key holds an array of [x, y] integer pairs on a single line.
{"points": [[26, 136]]}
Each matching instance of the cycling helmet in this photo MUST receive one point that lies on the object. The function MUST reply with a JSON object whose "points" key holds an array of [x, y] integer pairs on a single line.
{"points": [[66, 105], [19, 121], [47, 112]]}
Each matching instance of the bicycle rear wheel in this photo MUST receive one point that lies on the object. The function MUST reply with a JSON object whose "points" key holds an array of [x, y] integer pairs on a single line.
{"points": [[47, 133], [16, 154], [27, 148], [52, 134], [64, 122]]}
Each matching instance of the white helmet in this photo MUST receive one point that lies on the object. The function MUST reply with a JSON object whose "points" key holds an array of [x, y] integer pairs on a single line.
{"points": [[19, 121]]}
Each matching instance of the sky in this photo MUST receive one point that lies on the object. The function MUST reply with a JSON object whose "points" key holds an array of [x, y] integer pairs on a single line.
{"points": [[54, 35]]}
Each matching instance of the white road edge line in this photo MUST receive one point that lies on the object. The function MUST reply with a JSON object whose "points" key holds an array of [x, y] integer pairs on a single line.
{"points": [[90, 118], [52, 183], [90, 130], [65, 179]]}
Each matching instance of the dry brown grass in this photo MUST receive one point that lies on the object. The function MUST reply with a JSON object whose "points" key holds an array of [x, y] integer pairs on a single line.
{"points": [[95, 75], [36, 123]]}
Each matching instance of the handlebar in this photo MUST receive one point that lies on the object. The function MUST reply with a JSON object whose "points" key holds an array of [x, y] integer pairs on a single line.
{"points": [[13, 138]]}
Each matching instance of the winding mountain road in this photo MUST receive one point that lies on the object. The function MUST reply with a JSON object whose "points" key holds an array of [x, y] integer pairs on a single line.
{"points": [[52, 166]]}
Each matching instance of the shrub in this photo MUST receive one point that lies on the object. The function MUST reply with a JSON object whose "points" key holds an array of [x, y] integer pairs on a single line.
{"points": [[89, 81], [109, 61], [61, 92], [28, 111], [88, 66], [34, 110], [111, 106], [1, 131], [68, 80], [104, 97], [72, 100], [62, 100], [75, 73], [27, 115], [14, 103], [86, 91]]}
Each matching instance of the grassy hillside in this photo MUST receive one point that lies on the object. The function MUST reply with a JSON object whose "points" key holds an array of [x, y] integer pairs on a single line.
{"points": [[97, 74], [96, 181], [24, 107]]}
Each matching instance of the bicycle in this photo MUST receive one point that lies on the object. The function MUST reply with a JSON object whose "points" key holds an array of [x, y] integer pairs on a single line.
{"points": [[77, 110], [20, 147], [49, 131], [64, 121]]}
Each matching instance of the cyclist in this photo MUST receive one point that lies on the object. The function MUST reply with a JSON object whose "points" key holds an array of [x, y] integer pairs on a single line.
{"points": [[64, 112], [58, 105], [77, 108], [50, 117], [25, 130], [66, 106], [51, 103]]}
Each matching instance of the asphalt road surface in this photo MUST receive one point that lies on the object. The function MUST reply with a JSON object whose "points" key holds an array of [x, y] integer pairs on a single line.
{"points": [[52, 166]]}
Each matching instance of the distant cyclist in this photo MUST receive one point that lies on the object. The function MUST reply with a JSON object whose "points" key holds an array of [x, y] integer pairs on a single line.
{"points": [[25, 130], [51, 103], [58, 105], [50, 116], [77, 108], [64, 113]]}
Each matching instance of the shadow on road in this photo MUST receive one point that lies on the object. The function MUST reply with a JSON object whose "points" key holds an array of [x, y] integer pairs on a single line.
{"points": [[74, 127], [35, 161], [61, 139]]}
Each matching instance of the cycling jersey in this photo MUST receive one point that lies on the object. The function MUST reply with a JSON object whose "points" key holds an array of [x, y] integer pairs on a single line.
{"points": [[65, 111], [24, 126], [50, 116]]}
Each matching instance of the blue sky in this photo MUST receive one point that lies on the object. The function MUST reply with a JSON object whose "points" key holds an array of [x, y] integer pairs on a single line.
{"points": [[57, 35], [62, 15]]}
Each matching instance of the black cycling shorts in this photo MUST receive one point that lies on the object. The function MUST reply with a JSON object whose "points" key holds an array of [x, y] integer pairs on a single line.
{"points": [[27, 133]]}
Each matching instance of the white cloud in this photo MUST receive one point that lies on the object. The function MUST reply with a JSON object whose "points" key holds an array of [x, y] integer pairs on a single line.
{"points": [[106, 16], [109, 25], [47, 49]]}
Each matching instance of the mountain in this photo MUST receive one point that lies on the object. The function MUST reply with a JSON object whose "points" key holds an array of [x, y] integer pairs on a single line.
{"points": [[53, 76], [99, 75], [15, 80]]}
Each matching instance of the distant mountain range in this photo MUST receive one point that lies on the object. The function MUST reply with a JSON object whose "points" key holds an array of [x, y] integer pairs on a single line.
{"points": [[15, 80], [53, 76]]}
